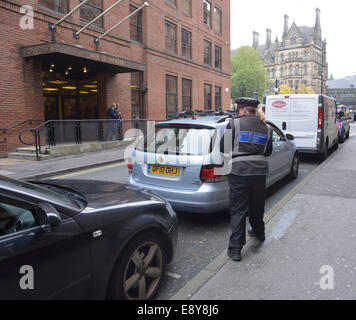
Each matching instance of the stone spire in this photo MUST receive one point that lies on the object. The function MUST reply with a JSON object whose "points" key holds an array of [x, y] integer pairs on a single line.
{"points": [[317, 27], [268, 37], [286, 26], [255, 39]]}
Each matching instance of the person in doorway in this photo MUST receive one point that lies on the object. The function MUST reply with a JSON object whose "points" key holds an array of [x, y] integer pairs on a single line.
{"points": [[111, 125], [251, 143]]}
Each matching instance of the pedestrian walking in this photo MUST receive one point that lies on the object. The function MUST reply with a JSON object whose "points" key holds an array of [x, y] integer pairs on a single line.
{"points": [[111, 124], [251, 143]]}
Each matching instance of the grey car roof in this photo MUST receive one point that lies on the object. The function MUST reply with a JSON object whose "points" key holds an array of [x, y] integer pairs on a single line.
{"points": [[213, 121]]}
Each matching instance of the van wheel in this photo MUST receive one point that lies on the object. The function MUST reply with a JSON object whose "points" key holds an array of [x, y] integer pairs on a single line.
{"points": [[293, 174], [324, 155]]}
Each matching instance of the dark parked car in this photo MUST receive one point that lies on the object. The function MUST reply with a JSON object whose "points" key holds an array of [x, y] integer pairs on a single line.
{"points": [[82, 239], [344, 126]]}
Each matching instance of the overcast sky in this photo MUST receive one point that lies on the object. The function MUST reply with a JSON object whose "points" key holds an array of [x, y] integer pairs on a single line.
{"points": [[338, 25]]}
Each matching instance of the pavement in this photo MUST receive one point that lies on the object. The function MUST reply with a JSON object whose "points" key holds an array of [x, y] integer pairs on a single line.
{"points": [[23, 169], [310, 247]]}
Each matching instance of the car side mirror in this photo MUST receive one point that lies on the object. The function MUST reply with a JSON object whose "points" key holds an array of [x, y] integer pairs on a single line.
{"points": [[48, 216], [290, 137]]}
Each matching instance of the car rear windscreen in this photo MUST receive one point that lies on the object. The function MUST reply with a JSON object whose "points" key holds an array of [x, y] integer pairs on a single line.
{"points": [[178, 141]]}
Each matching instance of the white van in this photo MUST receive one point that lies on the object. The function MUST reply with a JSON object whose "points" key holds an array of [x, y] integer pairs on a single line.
{"points": [[310, 118]]}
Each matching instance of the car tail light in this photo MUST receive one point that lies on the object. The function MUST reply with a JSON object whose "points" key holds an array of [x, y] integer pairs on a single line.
{"points": [[320, 118], [129, 165], [264, 110], [212, 174]]}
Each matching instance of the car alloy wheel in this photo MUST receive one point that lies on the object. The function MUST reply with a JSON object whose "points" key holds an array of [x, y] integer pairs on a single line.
{"points": [[140, 269], [144, 271]]}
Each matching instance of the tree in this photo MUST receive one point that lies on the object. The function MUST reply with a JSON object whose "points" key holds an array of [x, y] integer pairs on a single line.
{"points": [[303, 89], [284, 89], [248, 74]]}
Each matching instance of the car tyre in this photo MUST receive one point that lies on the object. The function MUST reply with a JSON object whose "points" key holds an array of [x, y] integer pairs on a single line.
{"points": [[342, 137], [293, 174], [140, 270], [348, 134]]}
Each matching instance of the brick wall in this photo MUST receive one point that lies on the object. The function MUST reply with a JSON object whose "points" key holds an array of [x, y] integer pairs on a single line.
{"points": [[20, 79]]}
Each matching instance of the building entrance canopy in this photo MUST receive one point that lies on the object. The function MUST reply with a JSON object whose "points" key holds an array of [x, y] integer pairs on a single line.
{"points": [[66, 55]]}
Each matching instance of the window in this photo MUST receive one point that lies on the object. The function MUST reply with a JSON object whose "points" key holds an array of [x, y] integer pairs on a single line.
{"points": [[218, 104], [207, 13], [296, 70], [282, 72], [172, 2], [136, 25], [171, 95], [14, 218], [187, 6], [171, 37], [186, 44], [186, 94], [60, 6], [92, 9], [217, 20], [294, 40], [207, 52], [207, 97], [290, 70], [218, 57], [305, 69]]}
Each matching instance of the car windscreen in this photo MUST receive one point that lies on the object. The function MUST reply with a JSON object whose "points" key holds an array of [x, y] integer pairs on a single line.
{"points": [[178, 141], [38, 192]]}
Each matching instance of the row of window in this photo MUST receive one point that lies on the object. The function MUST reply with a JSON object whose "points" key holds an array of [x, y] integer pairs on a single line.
{"points": [[293, 71], [186, 46], [207, 17], [295, 56], [187, 95]]}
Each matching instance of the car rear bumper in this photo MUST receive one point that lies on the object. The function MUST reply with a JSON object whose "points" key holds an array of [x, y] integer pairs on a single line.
{"points": [[210, 197]]}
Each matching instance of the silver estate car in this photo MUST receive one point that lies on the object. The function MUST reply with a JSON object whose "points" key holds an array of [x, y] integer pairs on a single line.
{"points": [[182, 161]]}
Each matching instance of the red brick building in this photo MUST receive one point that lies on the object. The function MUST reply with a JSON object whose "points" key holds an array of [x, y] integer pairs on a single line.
{"points": [[170, 56]]}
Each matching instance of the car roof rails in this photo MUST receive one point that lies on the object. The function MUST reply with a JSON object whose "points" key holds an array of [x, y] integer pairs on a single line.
{"points": [[204, 113]]}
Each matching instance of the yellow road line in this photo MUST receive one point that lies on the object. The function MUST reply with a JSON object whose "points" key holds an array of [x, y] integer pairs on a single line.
{"points": [[79, 173]]}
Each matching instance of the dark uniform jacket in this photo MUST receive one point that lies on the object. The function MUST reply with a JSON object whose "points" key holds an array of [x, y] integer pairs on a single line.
{"points": [[251, 143]]}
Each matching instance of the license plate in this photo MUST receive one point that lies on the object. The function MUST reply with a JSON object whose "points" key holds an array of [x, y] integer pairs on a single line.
{"points": [[164, 170]]}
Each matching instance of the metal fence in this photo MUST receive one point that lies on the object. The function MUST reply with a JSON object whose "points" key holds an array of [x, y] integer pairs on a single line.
{"points": [[55, 132]]}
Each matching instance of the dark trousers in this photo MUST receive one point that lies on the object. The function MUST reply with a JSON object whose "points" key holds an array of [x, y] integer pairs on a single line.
{"points": [[247, 198]]}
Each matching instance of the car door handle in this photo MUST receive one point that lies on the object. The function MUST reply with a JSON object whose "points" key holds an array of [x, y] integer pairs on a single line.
{"points": [[284, 125]]}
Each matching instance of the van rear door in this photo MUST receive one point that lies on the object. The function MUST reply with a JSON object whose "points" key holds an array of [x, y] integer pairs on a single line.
{"points": [[278, 111], [304, 120]]}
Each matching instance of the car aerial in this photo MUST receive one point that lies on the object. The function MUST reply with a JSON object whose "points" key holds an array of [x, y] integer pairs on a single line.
{"points": [[76, 239], [183, 159], [344, 126]]}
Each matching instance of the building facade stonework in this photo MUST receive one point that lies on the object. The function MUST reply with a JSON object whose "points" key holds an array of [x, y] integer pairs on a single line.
{"points": [[299, 59]]}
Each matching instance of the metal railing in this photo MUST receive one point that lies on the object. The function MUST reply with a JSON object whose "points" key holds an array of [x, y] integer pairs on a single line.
{"points": [[55, 132], [5, 132]]}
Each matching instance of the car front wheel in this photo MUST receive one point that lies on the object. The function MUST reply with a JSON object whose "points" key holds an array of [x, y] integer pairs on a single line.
{"points": [[140, 270], [295, 167]]}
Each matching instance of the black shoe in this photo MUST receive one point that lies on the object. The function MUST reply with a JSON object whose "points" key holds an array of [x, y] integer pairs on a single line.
{"points": [[234, 255], [261, 237]]}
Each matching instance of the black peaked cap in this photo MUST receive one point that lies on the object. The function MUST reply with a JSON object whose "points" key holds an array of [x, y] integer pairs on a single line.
{"points": [[247, 102]]}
